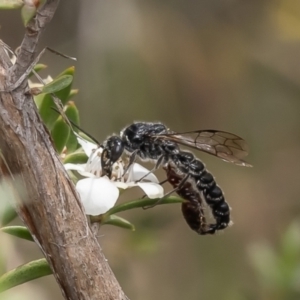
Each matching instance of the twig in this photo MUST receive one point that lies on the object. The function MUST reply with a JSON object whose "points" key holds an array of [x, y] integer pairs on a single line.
{"points": [[46, 199]]}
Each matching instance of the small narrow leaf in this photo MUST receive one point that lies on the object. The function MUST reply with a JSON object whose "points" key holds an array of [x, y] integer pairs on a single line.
{"points": [[72, 112], [18, 231], [72, 143], [45, 103], [60, 134], [142, 203], [64, 94], [7, 214], [37, 68], [76, 158], [73, 93], [28, 12], [68, 71], [290, 242], [119, 222], [58, 84], [73, 115], [7, 196], [24, 273], [265, 261], [39, 100]]}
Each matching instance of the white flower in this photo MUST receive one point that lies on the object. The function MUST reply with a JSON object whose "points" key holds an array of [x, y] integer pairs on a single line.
{"points": [[99, 194]]}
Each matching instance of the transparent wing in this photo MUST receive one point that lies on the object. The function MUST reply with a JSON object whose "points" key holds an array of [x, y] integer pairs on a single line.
{"points": [[227, 146]]}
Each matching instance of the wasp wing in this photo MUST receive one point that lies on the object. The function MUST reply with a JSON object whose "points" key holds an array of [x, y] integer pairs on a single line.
{"points": [[227, 146]]}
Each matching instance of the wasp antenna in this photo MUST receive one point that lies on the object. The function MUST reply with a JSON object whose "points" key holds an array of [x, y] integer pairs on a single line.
{"points": [[61, 54], [70, 122]]}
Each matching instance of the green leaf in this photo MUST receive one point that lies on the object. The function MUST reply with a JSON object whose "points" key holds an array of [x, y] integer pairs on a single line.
{"points": [[18, 231], [45, 104], [8, 213], [60, 134], [58, 84], [28, 12], [72, 113], [68, 71], [140, 203], [7, 196], [72, 143], [291, 242], [24, 273], [37, 68], [119, 222], [64, 94], [76, 158], [73, 93], [11, 4], [39, 100], [265, 261], [289, 261]]}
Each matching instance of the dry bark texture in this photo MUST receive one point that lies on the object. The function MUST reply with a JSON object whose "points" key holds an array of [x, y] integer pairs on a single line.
{"points": [[47, 200]]}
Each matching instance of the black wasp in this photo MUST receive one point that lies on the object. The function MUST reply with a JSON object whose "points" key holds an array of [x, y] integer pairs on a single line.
{"points": [[192, 209], [203, 184], [155, 142]]}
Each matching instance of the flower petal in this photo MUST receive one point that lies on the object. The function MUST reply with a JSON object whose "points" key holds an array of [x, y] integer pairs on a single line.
{"points": [[80, 168], [98, 195], [136, 172], [151, 189], [87, 146], [93, 164], [121, 185], [75, 167]]}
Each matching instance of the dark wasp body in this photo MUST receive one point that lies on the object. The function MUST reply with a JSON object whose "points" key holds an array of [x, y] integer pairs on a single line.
{"points": [[154, 141], [203, 184], [139, 140], [192, 208]]}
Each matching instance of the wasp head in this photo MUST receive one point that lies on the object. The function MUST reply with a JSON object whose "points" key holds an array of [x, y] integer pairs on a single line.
{"points": [[113, 149]]}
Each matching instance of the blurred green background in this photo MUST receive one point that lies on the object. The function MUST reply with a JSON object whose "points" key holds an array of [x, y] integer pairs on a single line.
{"points": [[229, 65]]}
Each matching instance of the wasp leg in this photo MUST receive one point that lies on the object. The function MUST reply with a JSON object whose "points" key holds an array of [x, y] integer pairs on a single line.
{"points": [[158, 163], [132, 159]]}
